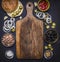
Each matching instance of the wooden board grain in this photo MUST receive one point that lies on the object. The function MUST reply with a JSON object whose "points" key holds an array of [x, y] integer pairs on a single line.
{"points": [[29, 36]]}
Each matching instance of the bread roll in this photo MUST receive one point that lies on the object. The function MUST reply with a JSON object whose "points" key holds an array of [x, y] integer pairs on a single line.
{"points": [[9, 5]]}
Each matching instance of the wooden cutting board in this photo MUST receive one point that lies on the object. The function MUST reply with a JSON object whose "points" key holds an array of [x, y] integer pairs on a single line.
{"points": [[29, 36]]}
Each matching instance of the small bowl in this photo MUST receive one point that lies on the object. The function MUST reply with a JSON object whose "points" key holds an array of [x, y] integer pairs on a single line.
{"points": [[8, 40], [9, 54], [48, 54], [46, 8]]}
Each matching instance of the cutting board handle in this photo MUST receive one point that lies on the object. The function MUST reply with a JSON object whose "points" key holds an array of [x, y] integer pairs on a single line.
{"points": [[29, 8]]}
